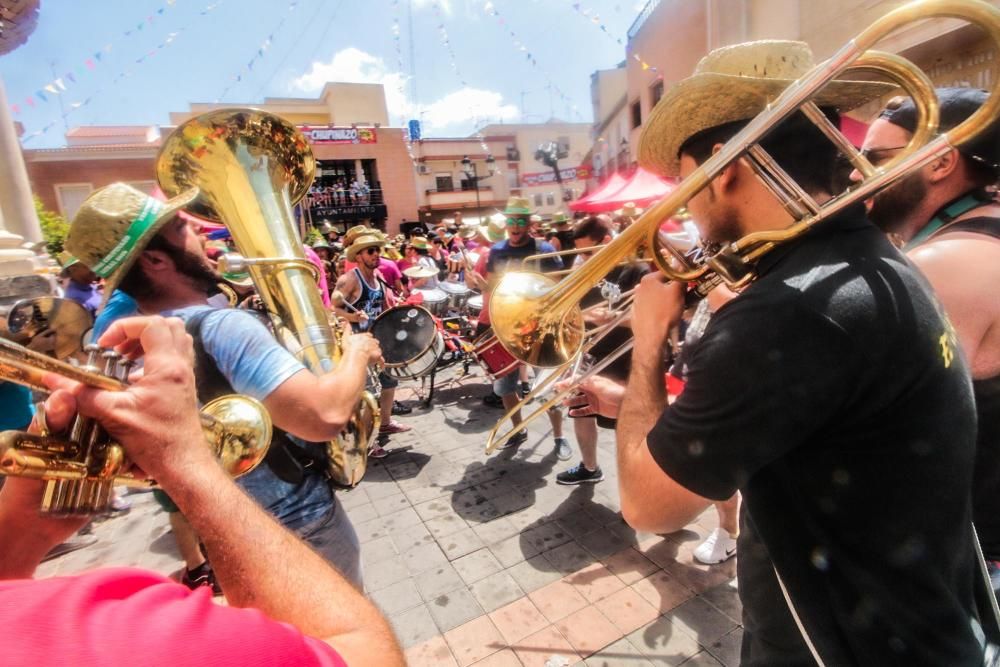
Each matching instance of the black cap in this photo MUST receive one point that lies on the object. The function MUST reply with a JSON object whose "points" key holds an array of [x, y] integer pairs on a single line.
{"points": [[957, 104]]}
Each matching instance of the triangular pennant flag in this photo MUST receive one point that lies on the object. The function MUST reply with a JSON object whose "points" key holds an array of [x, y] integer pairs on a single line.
{"points": [[69, 75], [15, 108], [30, 101], [52, 89], [97, 55], [89, 63], [59, 84], [41, 96]]}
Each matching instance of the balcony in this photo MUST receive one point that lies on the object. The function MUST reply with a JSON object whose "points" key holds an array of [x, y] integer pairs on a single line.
{"points": [[328, 203], [454, 197], [641, 18]]}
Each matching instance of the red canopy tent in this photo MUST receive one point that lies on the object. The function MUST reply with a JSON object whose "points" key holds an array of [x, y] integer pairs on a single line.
{"points": [[642, 188], [613, 184]]}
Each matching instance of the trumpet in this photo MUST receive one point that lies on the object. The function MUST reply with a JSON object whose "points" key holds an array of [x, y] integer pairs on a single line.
{"points": [[81, 468], [539, 321]]}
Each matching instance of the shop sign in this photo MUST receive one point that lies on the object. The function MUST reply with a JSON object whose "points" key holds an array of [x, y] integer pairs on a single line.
{"points": [[328, 134], [580, 173]]}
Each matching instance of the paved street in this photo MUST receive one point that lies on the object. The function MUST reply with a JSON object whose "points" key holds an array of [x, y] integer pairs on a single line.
{"points": [[488, 561]]}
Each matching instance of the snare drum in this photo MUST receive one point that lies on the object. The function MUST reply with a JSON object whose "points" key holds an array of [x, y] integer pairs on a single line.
{"points": [[458, 294], [411, 343], [475, 305], [435, 300], [497, 361]]}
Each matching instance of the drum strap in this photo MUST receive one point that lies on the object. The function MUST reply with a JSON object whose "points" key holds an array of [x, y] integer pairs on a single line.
{"points": [[287, 461]]}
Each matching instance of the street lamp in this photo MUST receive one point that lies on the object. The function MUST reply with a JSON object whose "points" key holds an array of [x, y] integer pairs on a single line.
{"points": [[469, 167]]}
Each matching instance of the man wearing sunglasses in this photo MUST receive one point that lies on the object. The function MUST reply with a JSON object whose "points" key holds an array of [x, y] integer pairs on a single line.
{"points": [[365, 295], [947, 216], [509, 255]]}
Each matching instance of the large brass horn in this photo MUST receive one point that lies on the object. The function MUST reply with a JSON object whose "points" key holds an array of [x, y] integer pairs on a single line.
{"points": [[81, 467], [251, 167], [538, 320]]}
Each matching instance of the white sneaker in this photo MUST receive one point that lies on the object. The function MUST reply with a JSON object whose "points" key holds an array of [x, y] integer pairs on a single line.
{"points": [[716, 548]]}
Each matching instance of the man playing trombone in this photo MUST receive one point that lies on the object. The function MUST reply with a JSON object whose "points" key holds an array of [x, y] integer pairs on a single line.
{"points": [[831, 393]]}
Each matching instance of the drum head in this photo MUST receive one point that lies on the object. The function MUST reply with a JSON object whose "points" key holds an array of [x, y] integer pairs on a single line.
{"points": [[404, 333], [476, 302], [432, 296], [453, 287]]}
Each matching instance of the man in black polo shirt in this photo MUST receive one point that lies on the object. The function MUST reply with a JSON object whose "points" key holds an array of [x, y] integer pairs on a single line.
{"points": [[831, 393]]}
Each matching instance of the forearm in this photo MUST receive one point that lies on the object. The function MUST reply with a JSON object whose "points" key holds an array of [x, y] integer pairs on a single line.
{"points": [[646, 398], [26, 535], [261, 565], [340, 389]]}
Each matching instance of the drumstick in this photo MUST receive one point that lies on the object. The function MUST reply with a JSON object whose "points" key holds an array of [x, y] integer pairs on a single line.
{"points": [[337, 298]]}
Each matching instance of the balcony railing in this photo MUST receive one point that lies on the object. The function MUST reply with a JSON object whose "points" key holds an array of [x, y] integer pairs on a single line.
{"points": [[641, 18], [334, 204], [458, 196]]}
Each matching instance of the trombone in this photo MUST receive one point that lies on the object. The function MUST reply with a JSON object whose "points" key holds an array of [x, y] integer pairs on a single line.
{"points": [[539, 321]]}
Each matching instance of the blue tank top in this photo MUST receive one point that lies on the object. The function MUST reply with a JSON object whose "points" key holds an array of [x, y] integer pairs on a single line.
{"points": [[371, 301]]}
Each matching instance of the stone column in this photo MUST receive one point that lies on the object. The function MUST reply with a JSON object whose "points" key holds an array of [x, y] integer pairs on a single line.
{"points": [[15, 191]]}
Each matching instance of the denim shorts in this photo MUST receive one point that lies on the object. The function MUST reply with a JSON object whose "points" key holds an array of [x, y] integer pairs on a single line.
{"points": [[387, 381], [333, 538], [507, 384]]}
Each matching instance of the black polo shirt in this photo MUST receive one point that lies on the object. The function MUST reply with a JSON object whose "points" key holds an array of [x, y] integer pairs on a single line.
{"points": [[833, 394]]}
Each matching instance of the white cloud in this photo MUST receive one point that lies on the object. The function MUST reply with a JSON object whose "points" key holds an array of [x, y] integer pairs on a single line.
{"points": [[458, 112]]}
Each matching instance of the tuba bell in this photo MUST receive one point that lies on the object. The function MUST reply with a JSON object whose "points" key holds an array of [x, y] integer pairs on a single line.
{"points": [[251, 168]]}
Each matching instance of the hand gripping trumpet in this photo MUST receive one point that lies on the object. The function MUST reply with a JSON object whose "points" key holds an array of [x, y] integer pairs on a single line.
{"points": [[81, 466], [538, 320]]}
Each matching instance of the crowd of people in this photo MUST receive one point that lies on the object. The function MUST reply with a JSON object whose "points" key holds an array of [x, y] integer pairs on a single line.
{"points": [[841, 411]]}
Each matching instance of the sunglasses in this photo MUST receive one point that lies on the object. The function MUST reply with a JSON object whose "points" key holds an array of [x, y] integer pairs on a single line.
{"points": [[517, 222], [372, 251], [879, 154]]}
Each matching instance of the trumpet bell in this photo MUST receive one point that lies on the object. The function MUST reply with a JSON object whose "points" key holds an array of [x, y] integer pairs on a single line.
{"points": [[239, 429], [540, 337]]}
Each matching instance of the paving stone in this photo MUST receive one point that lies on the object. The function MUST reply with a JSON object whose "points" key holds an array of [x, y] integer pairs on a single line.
{"points": [[703, 659], [603, 542], [496, 590], [663, 591], [352, 498], [474, 641], [517, 620], [380, 490], [629, 565], [377, 550], [422, 558], [700, 620], [411, 538], [370, 530], [513, 501], [533, 573], [725, 598], [619, 654], [414, 626], [384, 574], [726, 649], [496, 530], [454, 608], [545, 648], [389, 505], [663, 644], [433, 508], [546, 536], [588, 630], [627, 610], [437, 581], [460, 543], [432, 653], [595, 582], [569, 557], [477, 565], [512, 550], [403, 519], [397, 598], [578, 523], [445, 525], [361, 513]]}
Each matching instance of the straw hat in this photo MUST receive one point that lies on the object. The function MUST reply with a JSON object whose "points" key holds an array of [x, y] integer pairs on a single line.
{"points": [[468, 231], [114, 225], [494, 230], [518, 206], [321, 243], [629, 210], [353, 233], [559, 218], [419, 271], [360, 243], [325, 227], [420, 243], [736, 83], [66, 260]]}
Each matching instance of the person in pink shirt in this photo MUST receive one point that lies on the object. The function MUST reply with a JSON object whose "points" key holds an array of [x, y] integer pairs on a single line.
{"points": [[286, 605]]}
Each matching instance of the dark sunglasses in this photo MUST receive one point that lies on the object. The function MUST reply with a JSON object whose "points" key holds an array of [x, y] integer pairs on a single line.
{"points": [[517, 222], [878, 153], [372, 251]]}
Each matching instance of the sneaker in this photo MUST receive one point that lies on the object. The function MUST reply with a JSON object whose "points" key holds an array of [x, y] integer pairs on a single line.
{"points": [[493, 401], [563, 451], [377, 452], [717, 548], [393, 426], [203, 575], [515, 441], [580, 475], [400, 409], [525, 389]]}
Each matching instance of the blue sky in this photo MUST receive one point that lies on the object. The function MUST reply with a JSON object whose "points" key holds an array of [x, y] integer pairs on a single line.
{"points": [[189, 54]]}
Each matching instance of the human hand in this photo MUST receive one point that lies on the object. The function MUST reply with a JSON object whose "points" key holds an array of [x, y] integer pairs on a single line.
{"points": [[597, 396], [156, 418], [657, 307], [363, 345]]}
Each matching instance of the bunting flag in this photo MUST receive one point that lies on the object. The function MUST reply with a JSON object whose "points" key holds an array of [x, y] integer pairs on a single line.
{"points": [[258, 52], [401, 85], [491, 10], [90, 63], [593, 17]]}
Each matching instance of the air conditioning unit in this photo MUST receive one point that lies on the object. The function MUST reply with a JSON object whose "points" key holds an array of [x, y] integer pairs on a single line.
{"points": [[423, 169]]}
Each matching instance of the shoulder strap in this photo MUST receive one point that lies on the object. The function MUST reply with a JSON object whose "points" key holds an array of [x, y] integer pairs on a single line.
{"points": [[983, 225]]}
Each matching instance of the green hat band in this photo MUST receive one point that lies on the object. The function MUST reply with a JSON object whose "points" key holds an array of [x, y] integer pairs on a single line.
{"points": [[114, 259]]}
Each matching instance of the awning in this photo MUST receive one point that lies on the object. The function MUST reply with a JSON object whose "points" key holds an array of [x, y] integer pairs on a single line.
{"points": [[642, 189], [613, 184]]}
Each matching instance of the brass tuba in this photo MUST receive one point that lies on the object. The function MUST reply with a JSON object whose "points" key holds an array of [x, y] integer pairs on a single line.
{"points": [[251, 167]]}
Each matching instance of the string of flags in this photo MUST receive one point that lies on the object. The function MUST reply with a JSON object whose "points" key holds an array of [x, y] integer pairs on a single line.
{"points": [[258, 54], [454, 66], [593, 17], [61, 84], [491, 9], [169, 39], [401, 80]]}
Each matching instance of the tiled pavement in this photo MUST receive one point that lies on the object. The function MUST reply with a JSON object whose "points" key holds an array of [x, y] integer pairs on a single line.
{"points": [[487, 561]]}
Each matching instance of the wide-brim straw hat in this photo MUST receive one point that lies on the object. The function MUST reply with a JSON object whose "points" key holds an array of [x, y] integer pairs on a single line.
{"points": [[420, 243], [735, 83], [495, 230], [468, 231], [518, 206], [362, 242], [353, 233], [113, 226], [629, 210], [560, 218]]}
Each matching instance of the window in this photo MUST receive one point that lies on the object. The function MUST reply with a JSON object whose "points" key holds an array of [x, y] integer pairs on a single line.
{"points": [[563, 150], [636, 114], [655, 93], [71, 196], [444, 182], [550, 199], [538, 199], [513, 155], [512, 179]]}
